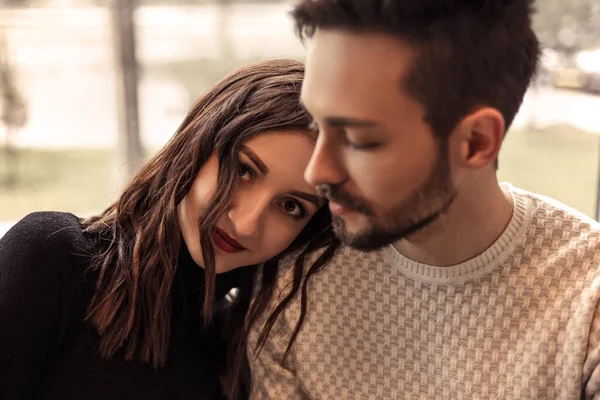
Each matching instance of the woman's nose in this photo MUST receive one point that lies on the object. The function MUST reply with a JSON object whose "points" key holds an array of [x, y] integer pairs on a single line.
{"points": [[247, 216]]}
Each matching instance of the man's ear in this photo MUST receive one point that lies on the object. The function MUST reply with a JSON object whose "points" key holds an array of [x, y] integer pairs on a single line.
{"points": [[479, 137]]}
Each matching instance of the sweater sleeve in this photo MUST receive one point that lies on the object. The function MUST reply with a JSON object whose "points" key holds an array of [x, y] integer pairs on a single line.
{"points": [[591, 366], [33, 254], [272, 379], [591, 301]]}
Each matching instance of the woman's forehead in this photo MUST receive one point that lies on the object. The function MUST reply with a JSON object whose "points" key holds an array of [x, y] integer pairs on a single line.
{"points": [[285, 155]]}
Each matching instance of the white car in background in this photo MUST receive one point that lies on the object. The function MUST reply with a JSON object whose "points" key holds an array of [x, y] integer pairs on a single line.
{"points": [[582, 73], [589, 63]]}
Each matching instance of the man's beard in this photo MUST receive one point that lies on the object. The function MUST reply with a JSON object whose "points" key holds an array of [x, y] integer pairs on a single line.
{"points": [[420, 209]]}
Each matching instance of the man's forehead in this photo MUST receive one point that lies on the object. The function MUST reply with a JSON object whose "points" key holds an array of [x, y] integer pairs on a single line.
{"points": [[373, 54], [333, 59], [343, 71]]}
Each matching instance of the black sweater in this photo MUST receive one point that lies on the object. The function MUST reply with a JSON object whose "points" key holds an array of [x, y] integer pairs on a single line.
{"points": [[48, 352]]}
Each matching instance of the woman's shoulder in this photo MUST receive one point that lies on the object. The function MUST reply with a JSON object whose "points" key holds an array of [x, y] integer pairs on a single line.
{"points": [[47, 227], [45, 237], [42, 259]]}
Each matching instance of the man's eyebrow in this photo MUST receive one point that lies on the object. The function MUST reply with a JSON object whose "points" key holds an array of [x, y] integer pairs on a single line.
{"points": [[344, 122], [306, 196], [255, 159], [340, 121]]}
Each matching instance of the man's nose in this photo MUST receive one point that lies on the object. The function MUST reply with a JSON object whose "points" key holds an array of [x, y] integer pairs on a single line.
{"points": [[324, 166]]}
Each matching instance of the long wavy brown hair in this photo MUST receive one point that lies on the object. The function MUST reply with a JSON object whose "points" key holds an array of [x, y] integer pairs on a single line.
{"points": [[141, 236]]}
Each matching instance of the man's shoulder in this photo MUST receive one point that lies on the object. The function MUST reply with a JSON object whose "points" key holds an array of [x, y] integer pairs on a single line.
{"points": [[549, 213], [346, 260], [351, 256], [560, 228]]}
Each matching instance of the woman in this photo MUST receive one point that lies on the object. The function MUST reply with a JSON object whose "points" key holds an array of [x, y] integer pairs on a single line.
{"points": [[117, 306]]}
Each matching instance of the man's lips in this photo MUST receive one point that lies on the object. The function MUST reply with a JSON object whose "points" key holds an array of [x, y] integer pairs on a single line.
{"points": [[337, 208], [226, 242]]}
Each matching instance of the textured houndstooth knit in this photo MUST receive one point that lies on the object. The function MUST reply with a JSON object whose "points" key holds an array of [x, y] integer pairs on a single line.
{"points": [[519, 321]]}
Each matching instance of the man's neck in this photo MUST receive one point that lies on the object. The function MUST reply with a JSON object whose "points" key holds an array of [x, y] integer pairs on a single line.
{"points": [[475, 220]]}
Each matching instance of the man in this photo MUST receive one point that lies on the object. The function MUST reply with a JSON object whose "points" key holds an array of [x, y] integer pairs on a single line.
{"points": [[453, 286]]}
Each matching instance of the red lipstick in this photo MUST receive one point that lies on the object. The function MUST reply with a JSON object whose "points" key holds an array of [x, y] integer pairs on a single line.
{"points": [[226, 243]]}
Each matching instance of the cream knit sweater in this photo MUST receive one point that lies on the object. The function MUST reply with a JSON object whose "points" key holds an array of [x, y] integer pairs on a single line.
{"points": [[519, 321]]}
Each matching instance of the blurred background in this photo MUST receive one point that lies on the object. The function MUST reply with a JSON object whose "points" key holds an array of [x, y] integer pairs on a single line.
{"points": [[90, 87]]}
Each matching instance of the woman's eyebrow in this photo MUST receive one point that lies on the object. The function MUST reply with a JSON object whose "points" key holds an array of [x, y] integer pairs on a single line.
{"points": [[255, 159], [306, 196]]}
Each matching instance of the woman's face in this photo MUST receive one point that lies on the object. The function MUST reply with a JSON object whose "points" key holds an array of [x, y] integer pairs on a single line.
{"points": [[269, 208]]}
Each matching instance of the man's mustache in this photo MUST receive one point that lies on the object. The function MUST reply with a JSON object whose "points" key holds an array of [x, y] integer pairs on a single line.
{"points": [[334, 193]]}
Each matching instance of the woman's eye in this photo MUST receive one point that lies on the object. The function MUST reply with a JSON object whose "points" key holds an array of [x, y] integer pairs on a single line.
{"points": [[245, 172], [293, 208]]}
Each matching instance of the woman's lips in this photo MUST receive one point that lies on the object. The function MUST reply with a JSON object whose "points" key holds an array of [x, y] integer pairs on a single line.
{"points": [[226, 243]]}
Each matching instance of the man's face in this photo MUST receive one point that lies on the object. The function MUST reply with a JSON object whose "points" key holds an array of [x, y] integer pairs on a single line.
{"points": [[384, 172]]}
